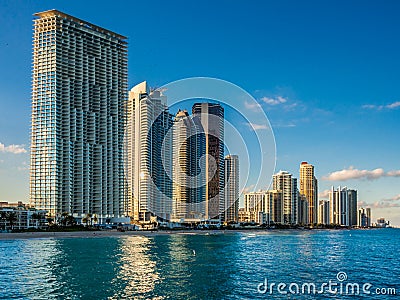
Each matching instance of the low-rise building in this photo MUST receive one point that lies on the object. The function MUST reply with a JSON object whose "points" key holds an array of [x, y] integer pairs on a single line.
{"points": [[21, 216]]}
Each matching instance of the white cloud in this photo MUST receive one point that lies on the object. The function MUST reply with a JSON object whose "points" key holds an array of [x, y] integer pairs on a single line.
{"points": [[394, 173], [393, 105], [352, 173], [15, 149], [248, 189], [324, 194], [395, 198], [362, 204], [254, 126], [283, 125], [274, 101], [385, 204], [254, 106]]}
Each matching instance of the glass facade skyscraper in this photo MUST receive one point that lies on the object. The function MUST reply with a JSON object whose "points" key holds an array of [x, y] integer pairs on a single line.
{"points": [[187, 176], [78, 116], [148, 147], [210, 120]]}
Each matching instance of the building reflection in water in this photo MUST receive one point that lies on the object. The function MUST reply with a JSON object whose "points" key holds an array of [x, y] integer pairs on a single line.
{"points": [[137, 275]]}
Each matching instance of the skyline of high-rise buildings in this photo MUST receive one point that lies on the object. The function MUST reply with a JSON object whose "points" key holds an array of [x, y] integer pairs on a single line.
{"points": [[174, 164], [79, 91], [96, 152], [274, 206]]}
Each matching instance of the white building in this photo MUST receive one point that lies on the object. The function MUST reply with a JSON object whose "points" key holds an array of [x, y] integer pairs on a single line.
{"points": [[24, 217], [231, 188], [148, 154], [284, 182], [79, 83], [343, 206], [323, 212]]}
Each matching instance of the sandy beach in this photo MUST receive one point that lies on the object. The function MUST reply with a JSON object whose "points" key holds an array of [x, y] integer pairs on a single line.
{"points": [[94, 234]]}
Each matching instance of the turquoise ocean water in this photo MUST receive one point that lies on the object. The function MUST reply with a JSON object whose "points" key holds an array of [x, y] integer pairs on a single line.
{"points": [[233, 265]]}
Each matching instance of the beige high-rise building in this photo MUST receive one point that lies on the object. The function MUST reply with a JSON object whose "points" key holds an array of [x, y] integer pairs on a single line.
{"points": [[263, 207], [309, 188]]}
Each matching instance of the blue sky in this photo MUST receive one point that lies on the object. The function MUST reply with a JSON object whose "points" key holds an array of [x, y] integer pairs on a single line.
{"points": [[325, 72]]}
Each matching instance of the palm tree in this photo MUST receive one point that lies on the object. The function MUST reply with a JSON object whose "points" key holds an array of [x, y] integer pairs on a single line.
{"points": [[95, 219], [35, 217], [50, 220], [3, 216], [11, 218], [89, 217], [64, 216], [70, 220], [41, 218], [85, 220]]}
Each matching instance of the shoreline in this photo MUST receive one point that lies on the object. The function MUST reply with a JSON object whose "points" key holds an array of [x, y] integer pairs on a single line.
{"points": [[114, 233]]}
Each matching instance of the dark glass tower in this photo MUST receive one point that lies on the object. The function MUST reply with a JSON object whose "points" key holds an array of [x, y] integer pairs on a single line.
{"points": [[210, 119]]}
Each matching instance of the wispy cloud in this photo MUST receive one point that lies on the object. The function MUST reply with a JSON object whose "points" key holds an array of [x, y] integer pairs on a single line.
{"points": [[385, 204], [248, 189], [254, 106], [24, 166], [15, 149], [352, 173], [393, 173], [362, 204], [274, 100], [324, 194], [395, 198], [393, 105], [254, 126], [283, 125]]}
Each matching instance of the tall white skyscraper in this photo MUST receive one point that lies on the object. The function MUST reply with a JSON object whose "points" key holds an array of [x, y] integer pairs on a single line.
{"points": [[148, 149], [323, 212], [284, 182], [231, 188], [79, 84], [343, 206]]}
